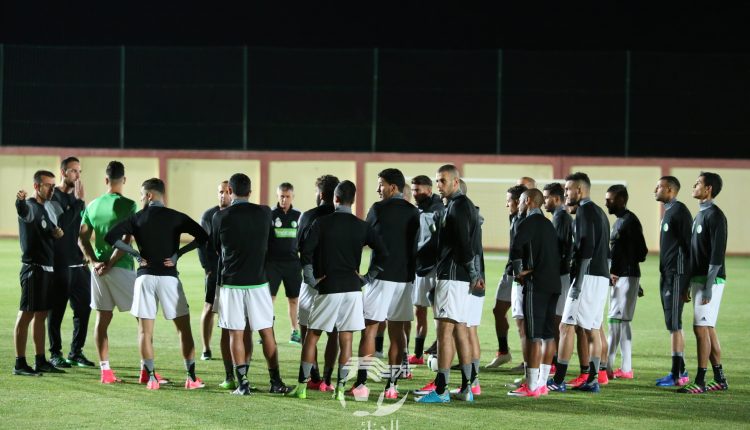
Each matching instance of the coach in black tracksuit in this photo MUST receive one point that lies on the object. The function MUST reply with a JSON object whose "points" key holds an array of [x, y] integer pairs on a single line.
{"points": [[283, 260]]}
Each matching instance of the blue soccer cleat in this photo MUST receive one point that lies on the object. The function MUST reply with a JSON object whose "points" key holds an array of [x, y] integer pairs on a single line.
{"points": [[668, 381], [552, 386], [434, 397]]}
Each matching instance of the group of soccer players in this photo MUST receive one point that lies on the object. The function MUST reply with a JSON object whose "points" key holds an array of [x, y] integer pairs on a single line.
{"points": [[556, 283]]}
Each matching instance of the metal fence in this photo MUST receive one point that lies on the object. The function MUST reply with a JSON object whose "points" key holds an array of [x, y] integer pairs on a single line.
{"points": [[493, 101]]}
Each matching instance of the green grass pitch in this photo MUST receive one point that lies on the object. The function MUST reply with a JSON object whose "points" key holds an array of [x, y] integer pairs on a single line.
{"points": [[78, 400]]}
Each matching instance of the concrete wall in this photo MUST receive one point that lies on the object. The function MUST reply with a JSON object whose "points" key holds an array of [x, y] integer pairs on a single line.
{"points": [[192, 178]]}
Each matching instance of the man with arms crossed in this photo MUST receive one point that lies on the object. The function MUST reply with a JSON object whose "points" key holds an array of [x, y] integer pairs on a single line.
{"points": [[457, 275], [588, 293], [240, 233], [331, 257], [708, 247], [38, 230], [72, 279], [674, 258], [627, 250], [157, 231]]}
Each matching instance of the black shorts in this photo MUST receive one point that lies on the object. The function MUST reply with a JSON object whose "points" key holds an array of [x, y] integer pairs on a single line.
{"points": [[671, 287], [290, 272], [539, 311], [36, 287], [210, 287]]}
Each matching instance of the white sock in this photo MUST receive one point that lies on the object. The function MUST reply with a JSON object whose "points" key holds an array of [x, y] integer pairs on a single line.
{"points": [[544, 370], [626, 345], [613, 341], [532, 378], [104, 365]]}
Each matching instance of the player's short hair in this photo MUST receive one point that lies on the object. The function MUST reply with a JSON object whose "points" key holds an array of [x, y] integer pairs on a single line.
{"points": [[240, 184], [555, 189], [516, 191], [450, 168], [286, 186], [672, 182], [529, 180], [393, 177], [462, 186], [619, 190], [42, 173], [326, 186], [714, 181], [115, 170], [421, 180], [535, 196], [579, 177], [345, 191], [66, 161], [154, 185]]}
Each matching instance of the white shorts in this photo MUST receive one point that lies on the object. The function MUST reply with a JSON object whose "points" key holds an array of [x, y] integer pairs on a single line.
{"points": [[516, 301], [386, 300], [474, 307], [587, 311], [422, 288], [504, 288], [246, 307], [306, 297], [706, 315], [339, 311], [150, 291], [451, 298], [565, 282], [622, 298], [115, 288]]}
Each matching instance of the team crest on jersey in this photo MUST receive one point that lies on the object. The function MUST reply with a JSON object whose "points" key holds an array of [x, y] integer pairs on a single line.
{"points": [[699, 229], [44, 223], [277, 222], [666, 227], [294, 224]]}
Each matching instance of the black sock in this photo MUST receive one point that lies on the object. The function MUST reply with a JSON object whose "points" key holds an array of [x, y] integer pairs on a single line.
{"points": [[593, 373], [361, 377], [39, 359], [21, 362], [433, 348], [418, 347], [191, 371], [327, 375], [440, 383], [241, 372], [719, 373], [562, 369], [379, 344], [275, 376], [676, 372], [229, 369], [700, 378], [464, 378], [502, 342], [315, 374], [682, 364], [585, 369], [301, 376], [554, 360]]}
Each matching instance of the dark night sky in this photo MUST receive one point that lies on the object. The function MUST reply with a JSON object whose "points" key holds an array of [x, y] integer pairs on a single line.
{"points": [[510, 25]]}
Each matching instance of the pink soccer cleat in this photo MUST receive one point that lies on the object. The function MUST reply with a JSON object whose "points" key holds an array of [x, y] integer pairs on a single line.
{"points": [[619, 374], [194, 384], [108, 377]]}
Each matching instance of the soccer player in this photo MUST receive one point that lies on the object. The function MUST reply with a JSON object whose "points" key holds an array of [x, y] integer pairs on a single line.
{"points": [[428, 204], [157, 231], [324, 188], [588, 293], [457, 275], [283, 259], [627, 250], [112, 277], [331, 256], [72, 279], [708, 247], [527, 182], [504, 298], [210, 262], [240, 233], [536, 263], [554, 202], [388, 296], [37, 228], [674, 257]]}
